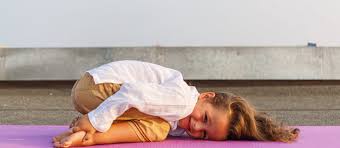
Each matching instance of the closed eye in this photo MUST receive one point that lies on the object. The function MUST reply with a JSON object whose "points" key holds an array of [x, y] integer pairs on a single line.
{"points": [[205, 120]]}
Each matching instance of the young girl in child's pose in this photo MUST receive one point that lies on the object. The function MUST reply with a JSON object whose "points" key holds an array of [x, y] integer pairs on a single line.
{"points": [[134, 101]]}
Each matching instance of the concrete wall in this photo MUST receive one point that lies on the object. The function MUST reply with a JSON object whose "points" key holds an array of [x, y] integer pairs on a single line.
{"points": [[112, 23], [196, 63]]}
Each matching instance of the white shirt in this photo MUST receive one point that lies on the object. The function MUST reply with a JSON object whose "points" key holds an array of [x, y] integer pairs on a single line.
{"points": [[151, 88]]}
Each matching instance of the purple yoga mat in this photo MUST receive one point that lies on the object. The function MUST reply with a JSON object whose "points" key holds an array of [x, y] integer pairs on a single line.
{"points": [[15, 136]]}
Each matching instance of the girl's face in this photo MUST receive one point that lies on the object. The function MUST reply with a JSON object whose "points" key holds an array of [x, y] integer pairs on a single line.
{"points": [[205, 122]]}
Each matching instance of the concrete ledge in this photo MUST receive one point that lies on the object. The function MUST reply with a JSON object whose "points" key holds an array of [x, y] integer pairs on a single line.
{"points": [[196, 63]]}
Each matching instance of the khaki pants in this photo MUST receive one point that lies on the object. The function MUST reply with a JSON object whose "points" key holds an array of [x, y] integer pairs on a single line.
{"points": [[87, 96]]}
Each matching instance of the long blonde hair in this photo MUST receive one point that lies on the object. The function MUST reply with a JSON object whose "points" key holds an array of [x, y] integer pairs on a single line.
{"points": [[245, 123]]}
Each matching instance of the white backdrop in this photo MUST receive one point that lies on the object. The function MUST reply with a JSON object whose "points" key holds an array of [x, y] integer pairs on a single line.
{"points": [[93, 23]]}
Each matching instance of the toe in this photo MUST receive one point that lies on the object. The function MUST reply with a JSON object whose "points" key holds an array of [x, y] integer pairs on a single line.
{"points": [[56, 144], [55, 139], [66, 144]]}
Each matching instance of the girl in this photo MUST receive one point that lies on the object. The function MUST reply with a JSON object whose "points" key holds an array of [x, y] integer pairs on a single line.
{"points": [[134, 101]]}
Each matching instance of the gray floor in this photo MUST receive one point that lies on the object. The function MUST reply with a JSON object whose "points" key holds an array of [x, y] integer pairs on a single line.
{"points": [[293, 102]]}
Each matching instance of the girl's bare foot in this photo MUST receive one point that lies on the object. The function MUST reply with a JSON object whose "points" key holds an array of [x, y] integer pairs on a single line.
{"points": [[74, 139], [61, 136]]}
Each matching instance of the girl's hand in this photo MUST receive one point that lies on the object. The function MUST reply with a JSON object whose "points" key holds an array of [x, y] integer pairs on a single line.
{"points": [[84, 124]]}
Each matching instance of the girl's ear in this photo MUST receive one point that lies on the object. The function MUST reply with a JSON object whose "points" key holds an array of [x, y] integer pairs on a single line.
{"points": [[208, 95]]}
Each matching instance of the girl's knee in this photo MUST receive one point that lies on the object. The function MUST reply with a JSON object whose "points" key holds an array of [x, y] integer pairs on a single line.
{"points": [[80, 109], [79, 104]]}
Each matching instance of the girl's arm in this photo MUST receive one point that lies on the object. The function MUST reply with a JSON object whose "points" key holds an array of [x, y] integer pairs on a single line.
{"points": [[118, 133], [149, 129], [171, 101], [144, 130]]}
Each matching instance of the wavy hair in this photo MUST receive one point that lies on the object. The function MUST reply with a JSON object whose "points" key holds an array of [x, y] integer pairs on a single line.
{"points": [[245, 123]]}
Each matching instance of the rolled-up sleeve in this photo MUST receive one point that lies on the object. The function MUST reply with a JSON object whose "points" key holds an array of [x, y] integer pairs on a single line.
{"points": [[163, 100]]}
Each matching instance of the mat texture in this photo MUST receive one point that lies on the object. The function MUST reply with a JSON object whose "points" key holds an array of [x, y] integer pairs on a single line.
{"points": [[14, 136]]}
